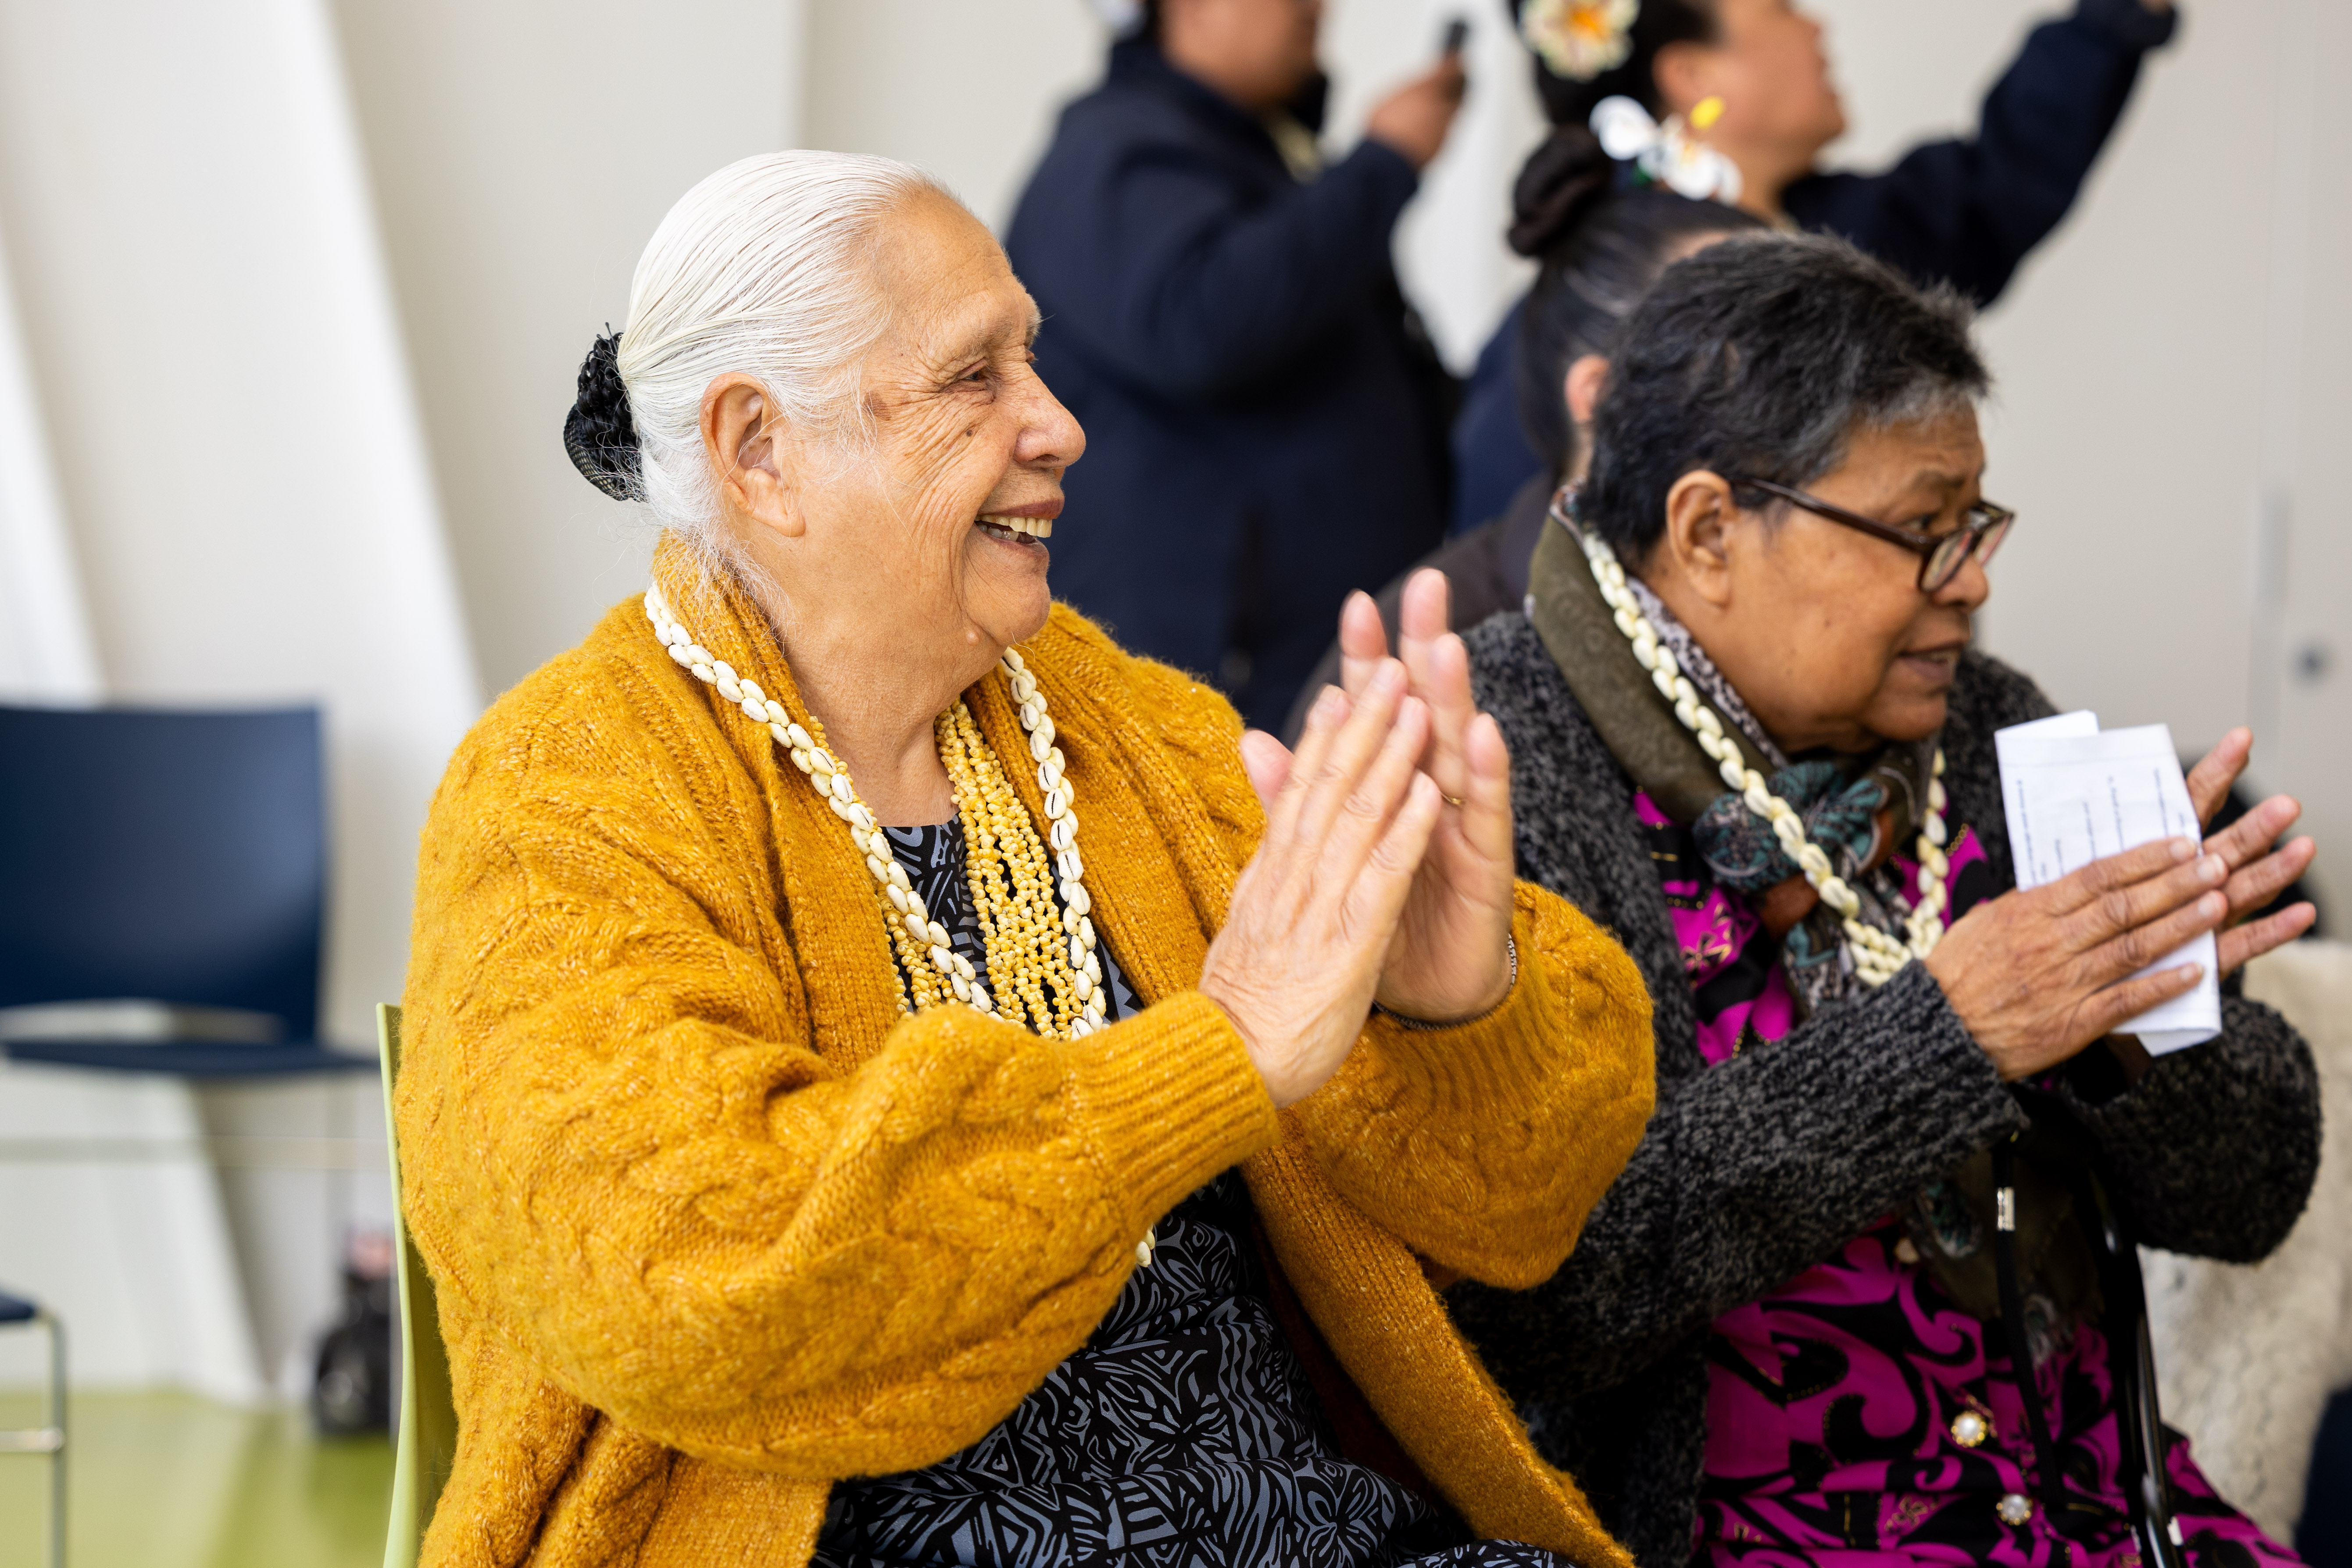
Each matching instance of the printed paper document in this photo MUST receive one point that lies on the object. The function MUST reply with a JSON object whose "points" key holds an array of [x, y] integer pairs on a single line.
{"points": [[2075, 794]]}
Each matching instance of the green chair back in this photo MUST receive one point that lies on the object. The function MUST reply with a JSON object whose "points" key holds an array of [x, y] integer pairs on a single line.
{"points": [[427, 1444]]}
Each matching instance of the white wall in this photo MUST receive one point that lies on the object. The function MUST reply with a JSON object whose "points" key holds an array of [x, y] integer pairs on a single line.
{"points": [[518, 170], [969, 92], [252, 506], [1450, 251], [250, 503], [2301, 650], [111, 1215], [521, 153]]}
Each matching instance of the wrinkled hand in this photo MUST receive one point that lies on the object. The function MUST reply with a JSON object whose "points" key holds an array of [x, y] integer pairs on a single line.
{"points": [[1414, 120], [1450, 960], [1316, 910], [2258, 872], [2037, 974]]}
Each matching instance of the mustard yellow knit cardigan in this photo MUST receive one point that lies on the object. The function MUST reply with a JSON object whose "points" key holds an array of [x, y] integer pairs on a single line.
{"points": [[712, 1224]]}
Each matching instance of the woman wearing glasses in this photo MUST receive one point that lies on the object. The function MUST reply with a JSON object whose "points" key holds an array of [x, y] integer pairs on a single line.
{"points": [[1866, 1287]]}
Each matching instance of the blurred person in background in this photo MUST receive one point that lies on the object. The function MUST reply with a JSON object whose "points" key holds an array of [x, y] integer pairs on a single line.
{"points": [[1733, 100], [1269, 418], [1597, 249]]}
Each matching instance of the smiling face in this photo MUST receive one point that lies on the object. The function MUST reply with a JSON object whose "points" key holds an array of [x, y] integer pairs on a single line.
{"points": [[934, 537], [971, 446], [1822, 629]]}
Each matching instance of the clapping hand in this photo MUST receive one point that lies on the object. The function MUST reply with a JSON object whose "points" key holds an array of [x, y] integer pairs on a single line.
{"points": [[1450, 958], [1315, 913], [2038, 975]]}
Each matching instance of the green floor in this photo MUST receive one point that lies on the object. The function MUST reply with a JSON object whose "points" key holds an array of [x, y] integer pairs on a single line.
{"points": [[167, 1480]]}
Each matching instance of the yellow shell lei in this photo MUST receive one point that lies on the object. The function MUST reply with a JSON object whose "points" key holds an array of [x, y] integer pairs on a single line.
{"points": [[1041, 955]]}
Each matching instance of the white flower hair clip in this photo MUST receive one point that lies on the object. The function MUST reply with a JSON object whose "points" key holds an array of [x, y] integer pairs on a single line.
{"points": [[1578, 40], [1665, 155]]}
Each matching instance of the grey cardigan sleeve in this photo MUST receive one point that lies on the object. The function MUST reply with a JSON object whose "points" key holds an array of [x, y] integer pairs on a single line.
{"points": [[1750, 1173], [2214, 1151]]}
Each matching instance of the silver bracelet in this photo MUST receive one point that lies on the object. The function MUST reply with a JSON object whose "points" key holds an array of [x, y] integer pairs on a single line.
{"points": [[1403, 1021]]}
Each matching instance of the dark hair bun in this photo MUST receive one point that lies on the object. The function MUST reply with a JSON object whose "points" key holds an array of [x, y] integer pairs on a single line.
{"points": [[599, 432], [1561, 184]]}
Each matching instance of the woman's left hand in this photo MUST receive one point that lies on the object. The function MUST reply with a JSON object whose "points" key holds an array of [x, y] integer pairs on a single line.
{"points": [[1450, 957], [2258, 873]]}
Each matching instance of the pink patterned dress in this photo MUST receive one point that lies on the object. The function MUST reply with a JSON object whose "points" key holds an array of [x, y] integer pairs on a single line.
{"points": [[1855, 1417]]}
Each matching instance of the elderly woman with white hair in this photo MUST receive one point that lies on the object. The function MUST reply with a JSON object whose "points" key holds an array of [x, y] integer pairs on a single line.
{"points": [[892, 1078]]}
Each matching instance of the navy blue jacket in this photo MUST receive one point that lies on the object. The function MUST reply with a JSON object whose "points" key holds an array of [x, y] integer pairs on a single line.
{"points": [[1964, 212], [1264, 430]]}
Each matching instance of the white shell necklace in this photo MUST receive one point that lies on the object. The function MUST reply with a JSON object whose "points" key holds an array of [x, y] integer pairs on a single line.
{"points": [[830, 779], [1877, 956]]}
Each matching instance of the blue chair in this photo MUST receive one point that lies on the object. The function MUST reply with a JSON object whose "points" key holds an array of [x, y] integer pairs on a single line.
{"points": [[49, 1439], [163, 891]]}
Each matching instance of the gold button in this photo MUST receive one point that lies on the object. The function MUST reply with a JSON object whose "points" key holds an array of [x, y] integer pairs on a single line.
{"points": [[1970, 1429], [2014, 1508], [1906, 1253]]}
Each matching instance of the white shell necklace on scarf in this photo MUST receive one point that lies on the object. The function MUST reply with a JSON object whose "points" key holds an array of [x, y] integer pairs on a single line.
{"points": [[1877, 955]]}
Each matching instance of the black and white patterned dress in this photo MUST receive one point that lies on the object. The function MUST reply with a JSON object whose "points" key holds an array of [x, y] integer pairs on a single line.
{"points": [[1184, 1435]]}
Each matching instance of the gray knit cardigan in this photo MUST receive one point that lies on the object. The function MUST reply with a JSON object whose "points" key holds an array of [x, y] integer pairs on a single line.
{"points": [[1753, 1171]]}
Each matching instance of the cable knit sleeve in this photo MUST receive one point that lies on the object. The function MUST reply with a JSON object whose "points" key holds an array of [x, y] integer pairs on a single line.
{"points": [[2216, 1148], [637, 1157], [1484, 1146]]}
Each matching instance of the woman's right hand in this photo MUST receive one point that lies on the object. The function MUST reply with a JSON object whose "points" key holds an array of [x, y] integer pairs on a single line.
{"points": [[1348, 818], [2037, 974]]}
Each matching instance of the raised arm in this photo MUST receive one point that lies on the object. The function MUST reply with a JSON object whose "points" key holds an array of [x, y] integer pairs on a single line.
{"points": [[1965, 211]]}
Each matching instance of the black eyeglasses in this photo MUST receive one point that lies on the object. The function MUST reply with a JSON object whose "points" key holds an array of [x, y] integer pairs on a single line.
{"points": [[1941, 555]]}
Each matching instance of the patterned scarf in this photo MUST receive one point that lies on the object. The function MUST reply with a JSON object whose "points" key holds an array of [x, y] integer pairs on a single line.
{"points": [[1856, 808]]}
